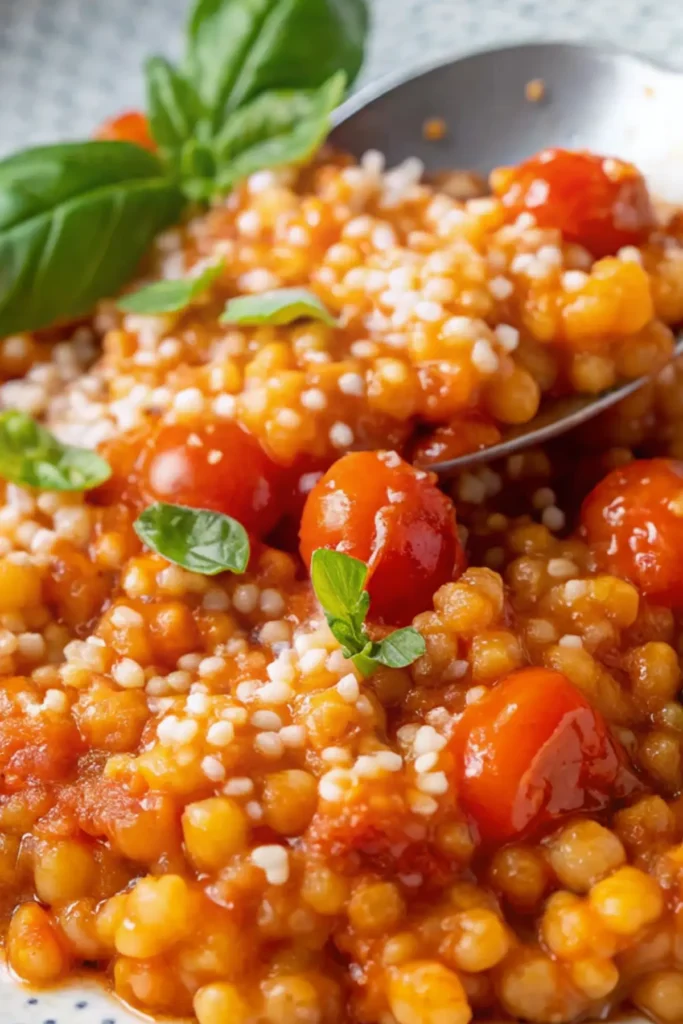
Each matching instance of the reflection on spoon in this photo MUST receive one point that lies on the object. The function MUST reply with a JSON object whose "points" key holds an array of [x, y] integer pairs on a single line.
{"points": [[555, 418]]}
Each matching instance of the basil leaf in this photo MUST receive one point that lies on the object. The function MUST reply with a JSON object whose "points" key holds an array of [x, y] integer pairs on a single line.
{"points": [[31, 456], [170, 296], [345, 632], [283, 306], [400, 648], [75, 220], [198, 170], [240, 48], [35, 181], [173, 107], [276, 128], [365, 661], [338, 582], [197, 539]]}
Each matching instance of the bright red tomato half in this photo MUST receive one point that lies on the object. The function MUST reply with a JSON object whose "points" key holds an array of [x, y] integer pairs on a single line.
{"points": [[530, 752]]}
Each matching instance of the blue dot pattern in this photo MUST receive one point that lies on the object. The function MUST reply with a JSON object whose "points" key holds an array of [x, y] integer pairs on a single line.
{"points": [[57, 1006]]}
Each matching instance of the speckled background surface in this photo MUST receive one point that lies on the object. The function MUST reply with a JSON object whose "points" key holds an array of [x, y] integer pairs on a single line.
{"points": [[66, 64]]}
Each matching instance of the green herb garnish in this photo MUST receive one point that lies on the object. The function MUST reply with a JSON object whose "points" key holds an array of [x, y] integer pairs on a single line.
{"points": [[283, 306], [195, 538], [338, 581], [274, 129], [256, 89], [239, 49], [75, 221], [32, 457], [170, 296]]}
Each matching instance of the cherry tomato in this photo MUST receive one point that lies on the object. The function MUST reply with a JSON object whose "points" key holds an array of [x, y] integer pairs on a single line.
{"points": [[599, 202], [217, 466], [378, 508], [531, 751], [633, 520], [129, 127]]}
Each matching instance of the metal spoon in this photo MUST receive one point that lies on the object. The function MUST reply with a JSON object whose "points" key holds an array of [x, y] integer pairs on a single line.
{"points": [[595, 98]]}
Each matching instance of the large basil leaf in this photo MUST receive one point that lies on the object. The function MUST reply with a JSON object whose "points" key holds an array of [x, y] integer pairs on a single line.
{"points": [[173, 107], [75, 220], [240, 48], [277, 128], [37, 180]]}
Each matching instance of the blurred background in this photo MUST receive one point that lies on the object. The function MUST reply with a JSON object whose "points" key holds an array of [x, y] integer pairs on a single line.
{"points": [[67, 64]]}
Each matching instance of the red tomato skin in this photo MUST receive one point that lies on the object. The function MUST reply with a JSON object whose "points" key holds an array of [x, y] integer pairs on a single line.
{"points": [[217, 466], [530, 752], [131, 126], [376, 507], [633, 520], [598, 202]]}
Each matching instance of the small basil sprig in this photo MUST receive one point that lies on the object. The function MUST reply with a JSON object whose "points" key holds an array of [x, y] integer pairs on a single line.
{"points": [[32, 457], [282, 306], [170, 296], [339, 581], [197, 539]]}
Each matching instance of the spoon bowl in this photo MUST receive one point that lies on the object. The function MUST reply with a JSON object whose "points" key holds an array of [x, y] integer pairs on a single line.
{"points": [[555, 418], [594, 98]]}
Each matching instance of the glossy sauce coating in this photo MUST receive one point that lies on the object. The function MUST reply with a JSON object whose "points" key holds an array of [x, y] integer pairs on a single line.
{"points": [[470, 433], [530, 752], [634, 517], [198, 792]]}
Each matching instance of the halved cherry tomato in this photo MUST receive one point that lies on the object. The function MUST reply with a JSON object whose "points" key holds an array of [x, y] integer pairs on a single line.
{"points": [[599, 202], [532, 751], [217, 466], [633, 520], [129, 127], [378, 508]]}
